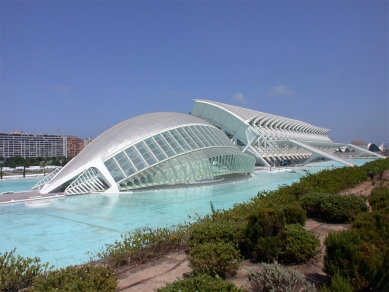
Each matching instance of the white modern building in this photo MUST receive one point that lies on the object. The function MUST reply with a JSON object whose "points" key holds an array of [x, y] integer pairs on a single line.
{"points": [[154, 150], [272, 140], [216, 142]]}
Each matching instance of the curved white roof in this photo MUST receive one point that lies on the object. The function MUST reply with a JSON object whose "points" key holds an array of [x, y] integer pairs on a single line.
{"points": [[261, 118], [128, 132]]}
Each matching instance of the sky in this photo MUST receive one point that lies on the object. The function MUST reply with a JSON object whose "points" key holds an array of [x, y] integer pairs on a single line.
{"points": [[80, 67]]}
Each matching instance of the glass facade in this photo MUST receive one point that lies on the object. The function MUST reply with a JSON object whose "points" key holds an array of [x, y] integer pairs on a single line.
{"points": [[192, 168], [187, 154]]}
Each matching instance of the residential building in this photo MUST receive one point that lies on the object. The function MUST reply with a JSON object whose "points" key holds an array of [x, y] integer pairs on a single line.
{"points": [[32, 145], [75, 145]]}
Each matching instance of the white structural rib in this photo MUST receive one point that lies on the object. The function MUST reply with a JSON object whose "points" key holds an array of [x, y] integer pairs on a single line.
{"points": [[319, 153], [47, 178], [87, 182], [364, 151]]}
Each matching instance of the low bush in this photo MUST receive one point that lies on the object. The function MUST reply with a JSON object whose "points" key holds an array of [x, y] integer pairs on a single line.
{"points": [[361, 254], [294, 214], [343, 257], [144, 245], [277, 278], [267, 249], [377, 167], [265, 222], [217, 231], [214, 259], [18, 273], [272, 199], [373, 227], [379, 199], [77, 278], [298, 245], [333, 208], [338, 284], [203, 283], [380, 280], [292, 246]]}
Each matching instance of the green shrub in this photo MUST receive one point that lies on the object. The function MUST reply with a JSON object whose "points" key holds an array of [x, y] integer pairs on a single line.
{"points": [[377, 167], [17, 272], [333, 208], [277, 278], [343, 256], [335, 180], [271, 199], [294, 214], [268, 249], [263, 223], [77, 278], [311, 203], [380, 280], [292, 246], [361, 254], [214, 258], [144, 245], [379, 199], [217, 231], [373, 227], [338, 284], [298, 245], [203, 283]]}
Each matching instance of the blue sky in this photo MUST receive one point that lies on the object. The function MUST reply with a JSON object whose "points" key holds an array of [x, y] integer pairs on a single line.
{"points": [[84, 66]]}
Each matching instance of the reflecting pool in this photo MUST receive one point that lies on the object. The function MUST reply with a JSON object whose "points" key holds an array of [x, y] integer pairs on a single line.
{"points": [[64, 232], [18, 185]]}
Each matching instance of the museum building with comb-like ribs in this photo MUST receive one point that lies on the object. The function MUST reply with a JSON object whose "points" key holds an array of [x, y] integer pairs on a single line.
{"points": [[216, 142]]}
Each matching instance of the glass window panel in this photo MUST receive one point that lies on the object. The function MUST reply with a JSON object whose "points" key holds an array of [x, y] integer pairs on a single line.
{"points": [[225, 139], [215, 135], [165, 147], [114, 169], [172, 142], [145, 152], [187, 138], [194, 137], [125, 164], [210, 134], [201, 136], [180, 140], [135, 158], [153, 146], [207, 136]]}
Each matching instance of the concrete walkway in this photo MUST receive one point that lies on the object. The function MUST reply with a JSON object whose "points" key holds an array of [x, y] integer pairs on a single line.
{"points": [[18, 197]]}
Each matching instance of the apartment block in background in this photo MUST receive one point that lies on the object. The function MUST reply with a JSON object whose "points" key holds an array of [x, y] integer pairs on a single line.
{"points": [[32, 145], [75, 145]]}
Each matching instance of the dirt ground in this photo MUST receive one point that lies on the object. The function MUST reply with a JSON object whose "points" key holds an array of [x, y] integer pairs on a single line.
{"points": [[173, 266]]}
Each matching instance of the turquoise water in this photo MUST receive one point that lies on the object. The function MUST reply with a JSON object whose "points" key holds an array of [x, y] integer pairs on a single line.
{"points": [[18, 185], [65, 232]]}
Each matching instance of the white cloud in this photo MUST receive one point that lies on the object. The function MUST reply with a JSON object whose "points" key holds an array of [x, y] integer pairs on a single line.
{"points": [[280, 90], [239, 97]]}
